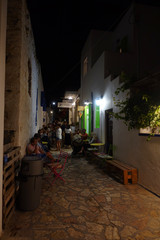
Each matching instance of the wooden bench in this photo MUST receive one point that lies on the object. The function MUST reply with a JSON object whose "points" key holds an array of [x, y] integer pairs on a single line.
{"points": [[121, 171]]}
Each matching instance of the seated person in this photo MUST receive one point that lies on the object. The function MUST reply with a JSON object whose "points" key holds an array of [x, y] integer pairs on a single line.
{"points": [[92, 139], [43, 147], [76, 137], [33, 149], [77, 143], [84, 135], [45, 138]]}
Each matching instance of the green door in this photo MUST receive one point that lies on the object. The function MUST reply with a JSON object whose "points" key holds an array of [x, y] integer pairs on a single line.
{"points": [[87, 122], [97, 117]]}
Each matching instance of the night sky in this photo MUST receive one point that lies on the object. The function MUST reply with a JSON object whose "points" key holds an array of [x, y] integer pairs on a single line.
{"points": [[60, 30]]}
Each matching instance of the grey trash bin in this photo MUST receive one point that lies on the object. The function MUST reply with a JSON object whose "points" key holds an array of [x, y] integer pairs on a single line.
{"points": [[30, 183]]}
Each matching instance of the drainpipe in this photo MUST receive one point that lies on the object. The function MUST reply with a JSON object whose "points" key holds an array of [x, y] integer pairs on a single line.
{"points": [[3, 23]]}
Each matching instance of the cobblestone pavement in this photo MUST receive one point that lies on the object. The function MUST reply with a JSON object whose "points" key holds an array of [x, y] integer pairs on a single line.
{"points": [[88, 206]]}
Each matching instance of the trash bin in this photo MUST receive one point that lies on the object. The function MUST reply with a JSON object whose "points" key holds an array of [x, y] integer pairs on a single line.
{"points": [[30, 183]]}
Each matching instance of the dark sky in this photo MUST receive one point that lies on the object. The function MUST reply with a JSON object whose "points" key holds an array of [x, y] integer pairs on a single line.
{"points": [[60, 30]]}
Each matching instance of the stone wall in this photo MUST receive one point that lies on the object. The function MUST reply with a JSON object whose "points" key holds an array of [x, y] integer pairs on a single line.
{"points": [[13, 55], [3, 22], [23, 76]]}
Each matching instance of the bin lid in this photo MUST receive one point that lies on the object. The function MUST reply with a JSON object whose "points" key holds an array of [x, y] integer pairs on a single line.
{"points": [[31, 158], [32, 165]]}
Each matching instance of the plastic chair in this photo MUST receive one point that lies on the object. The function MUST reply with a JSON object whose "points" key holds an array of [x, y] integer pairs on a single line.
{"points": [[56, 173]]}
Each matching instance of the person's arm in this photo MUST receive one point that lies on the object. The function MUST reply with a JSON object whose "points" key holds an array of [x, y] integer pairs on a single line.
{"points": [[41, 151], [40, 148], [30, 149], [36, 149]]}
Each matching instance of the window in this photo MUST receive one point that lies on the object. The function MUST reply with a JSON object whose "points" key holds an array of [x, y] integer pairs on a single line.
{"points": [[122, 45]]}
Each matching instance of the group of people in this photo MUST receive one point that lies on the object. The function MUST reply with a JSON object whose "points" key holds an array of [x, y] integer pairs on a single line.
{"points": [[57, 135], [40, 145], [81, 141], [53, 135]]}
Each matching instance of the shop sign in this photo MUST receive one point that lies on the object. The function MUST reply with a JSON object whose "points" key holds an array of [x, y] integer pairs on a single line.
{"points": [[80, 108], [64, 105]]}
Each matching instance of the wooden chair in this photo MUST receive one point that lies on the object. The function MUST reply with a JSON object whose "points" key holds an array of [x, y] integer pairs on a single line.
{"points": [[54, 172]]}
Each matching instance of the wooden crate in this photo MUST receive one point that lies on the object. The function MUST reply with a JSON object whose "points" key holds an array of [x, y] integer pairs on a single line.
{"points": [[121, 171], [10, 186]]}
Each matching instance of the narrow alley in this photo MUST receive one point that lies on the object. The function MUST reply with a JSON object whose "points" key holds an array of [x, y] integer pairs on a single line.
{"points": [[90, 206]]}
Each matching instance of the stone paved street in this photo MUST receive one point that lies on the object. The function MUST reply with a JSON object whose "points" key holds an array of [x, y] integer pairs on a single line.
{"points": [[88, 206]]}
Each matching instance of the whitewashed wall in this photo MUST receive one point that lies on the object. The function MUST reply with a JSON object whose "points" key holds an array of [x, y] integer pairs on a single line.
{"points": [[40, 113], [30, 112], [137, 151], [20, 107], [130, 147]]}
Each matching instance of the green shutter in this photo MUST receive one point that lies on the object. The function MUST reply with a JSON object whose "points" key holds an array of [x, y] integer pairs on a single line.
{"points": [[90, 111], [97, 118], [87, 121]]}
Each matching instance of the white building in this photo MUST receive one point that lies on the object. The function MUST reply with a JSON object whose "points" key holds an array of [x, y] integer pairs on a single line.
{"points": [[131, 47]]}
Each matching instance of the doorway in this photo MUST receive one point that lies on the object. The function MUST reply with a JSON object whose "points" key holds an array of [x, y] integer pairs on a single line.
{"points": [[109, 131]]}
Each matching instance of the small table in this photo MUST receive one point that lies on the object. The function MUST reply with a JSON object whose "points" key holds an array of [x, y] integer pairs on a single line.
{"points": [[86, 140], [97, 144]]}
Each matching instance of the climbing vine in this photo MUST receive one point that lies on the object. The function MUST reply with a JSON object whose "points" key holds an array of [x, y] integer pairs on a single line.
{"points": [[138, 110]]}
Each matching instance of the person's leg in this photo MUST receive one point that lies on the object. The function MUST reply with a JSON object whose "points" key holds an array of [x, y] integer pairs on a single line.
{"points": [[49, 155], [57, 144]]}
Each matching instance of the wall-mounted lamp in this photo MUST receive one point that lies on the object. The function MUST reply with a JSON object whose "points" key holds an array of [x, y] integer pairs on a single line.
{"points": [[51, 112], [70, 98], [53, 103], [99, 101], [87, 103]]}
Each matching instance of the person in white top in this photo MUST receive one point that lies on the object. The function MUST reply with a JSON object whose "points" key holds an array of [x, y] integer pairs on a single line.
{"points": [[58, 137], [67, 135]]}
